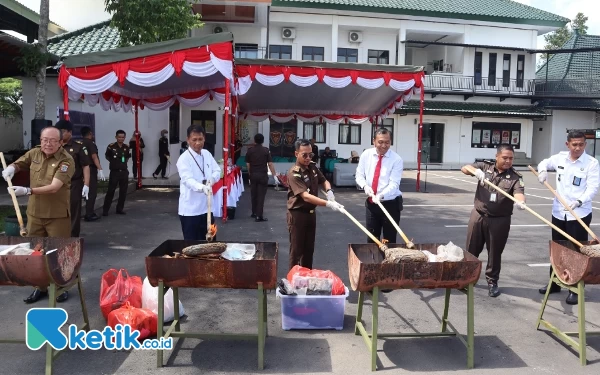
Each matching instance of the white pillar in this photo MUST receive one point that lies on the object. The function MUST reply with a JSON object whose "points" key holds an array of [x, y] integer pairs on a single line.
{"points": [[401, 47], [334, 39], [263, 40]]}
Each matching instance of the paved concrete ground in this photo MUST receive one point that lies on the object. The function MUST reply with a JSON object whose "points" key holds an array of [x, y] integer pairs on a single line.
{"points": [[506, 339]]}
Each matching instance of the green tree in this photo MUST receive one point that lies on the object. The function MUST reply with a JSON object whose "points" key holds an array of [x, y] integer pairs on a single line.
{"points": [[556, 39], [11, 95], [150, 21]]}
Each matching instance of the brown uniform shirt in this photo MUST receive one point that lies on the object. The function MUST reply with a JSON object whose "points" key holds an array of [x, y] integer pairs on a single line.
{"points": [[42, 170], [79, 153], [117, 156], [91, 149], [301, 180], [258, 157], [510, 181]]}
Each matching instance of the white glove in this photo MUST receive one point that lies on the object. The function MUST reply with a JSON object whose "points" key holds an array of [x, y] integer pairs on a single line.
{"points": [[85, 192], [9, 172], [574, 205], [330, 196], [334, 206], [276, 180], [205, 189], [368, 191], [19, 190], [520, 205], [480, 175], [542, 176], [376, 198], [101, 175]]}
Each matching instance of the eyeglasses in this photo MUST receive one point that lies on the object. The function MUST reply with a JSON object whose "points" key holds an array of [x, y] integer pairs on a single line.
{"points": [[307, 155], [51, 141]]}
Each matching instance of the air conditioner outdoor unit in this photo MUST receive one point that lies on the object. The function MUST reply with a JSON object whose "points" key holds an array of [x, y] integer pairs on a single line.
{"points": [[355, 37], [288, 33], [219, 29]]}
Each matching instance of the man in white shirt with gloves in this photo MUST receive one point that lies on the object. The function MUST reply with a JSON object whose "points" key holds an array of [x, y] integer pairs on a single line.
{"points": [[198, 171], [577, 180], [379, 173]]}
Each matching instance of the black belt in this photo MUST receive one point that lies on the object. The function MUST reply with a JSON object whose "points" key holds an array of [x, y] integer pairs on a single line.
{"points": [[303, 210]]}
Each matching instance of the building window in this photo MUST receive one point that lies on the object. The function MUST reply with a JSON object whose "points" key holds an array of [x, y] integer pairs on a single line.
{"points": [[506, 70], [520, 70], [388, 123], [280, 52], [492, 134], [378, 57], [246, 51], [349, 134], [313, 53], [347, 55], [478, 62], [315, 130], [492, 70]]}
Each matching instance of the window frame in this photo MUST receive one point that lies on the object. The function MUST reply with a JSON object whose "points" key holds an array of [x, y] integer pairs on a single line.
{"points": [[492, 69], [381, 51], [249, 47], [314, 131], [305, 50], [345, 54], [520, 72], [506, 72], [349, 134], [478, 68], [279, 48]]}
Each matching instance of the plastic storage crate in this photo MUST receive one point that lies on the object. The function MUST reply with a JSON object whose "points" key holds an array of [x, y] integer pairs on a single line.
{"points": [[312, 312]]}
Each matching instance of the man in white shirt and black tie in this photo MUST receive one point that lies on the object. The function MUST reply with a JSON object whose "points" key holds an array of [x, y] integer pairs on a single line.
{"points": [[379, 173], [198, 171], [577, 181]]}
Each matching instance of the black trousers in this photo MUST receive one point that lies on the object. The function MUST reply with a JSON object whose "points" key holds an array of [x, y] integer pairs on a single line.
{"points": [[302, 226], [135, 166], [91, 202], [493, 233], [258, 190], [572, 228], [377, 220], [116, 178], [194, 227], [75, 201], [162, 167]]}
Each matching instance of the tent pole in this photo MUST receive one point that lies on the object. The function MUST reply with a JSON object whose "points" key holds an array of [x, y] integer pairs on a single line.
{"points": [[137, 165], [66, 102], [225, 148], [422, 101]]}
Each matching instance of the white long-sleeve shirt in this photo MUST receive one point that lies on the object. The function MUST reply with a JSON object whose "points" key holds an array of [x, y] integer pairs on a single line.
{"points": [[389, 176], [575, 180], [192, 201]]}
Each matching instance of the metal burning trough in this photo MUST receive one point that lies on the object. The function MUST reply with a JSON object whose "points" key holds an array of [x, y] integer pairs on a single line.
{"points": [[60, 267], [367, 270], [201, 273], [571, 266]]}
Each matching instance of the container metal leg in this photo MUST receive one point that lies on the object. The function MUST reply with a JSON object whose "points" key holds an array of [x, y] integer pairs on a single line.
{"points": [[262, 317], [374, 308], [446, 307], [161, 316], [581, 318], [86, 326], [471, 326]]}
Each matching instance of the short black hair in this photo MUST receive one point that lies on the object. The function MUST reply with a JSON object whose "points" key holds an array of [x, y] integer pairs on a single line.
{"points": [[504, 146], [259, 139], [85, 131], [382, 131], [196, 129], [64, 124], [302, 142], [120, 132], [575, 134]]}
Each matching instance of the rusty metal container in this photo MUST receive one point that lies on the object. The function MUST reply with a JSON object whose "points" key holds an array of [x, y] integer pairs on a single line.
{"points": [[571, 266], [196, 273], [367, 271], [59, 267]]}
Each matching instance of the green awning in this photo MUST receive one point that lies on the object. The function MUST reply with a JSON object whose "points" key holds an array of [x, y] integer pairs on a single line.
{"points": [[433, 107]]}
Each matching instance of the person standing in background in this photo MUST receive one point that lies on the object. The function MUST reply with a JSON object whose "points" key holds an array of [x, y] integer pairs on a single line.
{"points": [[163, 154], [257, 160], [118, 155], [315, 151], [96, 173], [133, 148]]}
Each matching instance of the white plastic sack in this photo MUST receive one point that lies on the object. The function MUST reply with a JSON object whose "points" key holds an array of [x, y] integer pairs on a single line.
{"points": [[239, 251], [10, 249], [449, 253], [150, 301]]}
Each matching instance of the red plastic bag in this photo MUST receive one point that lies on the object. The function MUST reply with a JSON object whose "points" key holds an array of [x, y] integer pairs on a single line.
{"points": [[116, 288], [338, 288], [142, 320]]}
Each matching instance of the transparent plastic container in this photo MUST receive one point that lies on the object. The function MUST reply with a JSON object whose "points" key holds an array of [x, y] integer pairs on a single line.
{"points": [[312, 312]]}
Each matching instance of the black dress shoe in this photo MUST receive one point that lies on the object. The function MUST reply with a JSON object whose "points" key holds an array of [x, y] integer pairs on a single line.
{"points": [[553, 289], [386, 290], [121, 213], [155, 176], [253, 216], [35, 296], [493, 290], [258, 219], [165, 178], [63, 297], [572, 298], [91, 218]]}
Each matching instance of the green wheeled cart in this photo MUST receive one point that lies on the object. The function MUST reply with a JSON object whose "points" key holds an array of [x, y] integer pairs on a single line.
{"points": [[259, 273], [571, 270], [57, 270], [368, 275]]}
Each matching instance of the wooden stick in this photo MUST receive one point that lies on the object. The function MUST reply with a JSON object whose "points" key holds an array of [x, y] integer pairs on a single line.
{"points": [[358, 224], [22, 228], [209, 213], [472, 171], [409, 243], [566, 205]]}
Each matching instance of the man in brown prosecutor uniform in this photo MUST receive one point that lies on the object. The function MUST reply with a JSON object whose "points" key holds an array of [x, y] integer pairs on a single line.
{"points": [[48, 210], [80, 183], [96, 173], [304, 180], [117, 154], [257, 159], [489, 223]]}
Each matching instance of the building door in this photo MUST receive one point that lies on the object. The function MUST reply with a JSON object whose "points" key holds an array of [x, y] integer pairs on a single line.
{"points": [[207, 119], [433, 143]]}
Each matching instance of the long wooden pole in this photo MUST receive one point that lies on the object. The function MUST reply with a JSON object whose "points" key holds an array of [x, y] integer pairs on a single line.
{"points": [[22, 229], [409, 243]]}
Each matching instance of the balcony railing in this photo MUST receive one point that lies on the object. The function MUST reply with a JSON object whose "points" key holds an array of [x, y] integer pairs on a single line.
{"points": [[247, 52]]}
